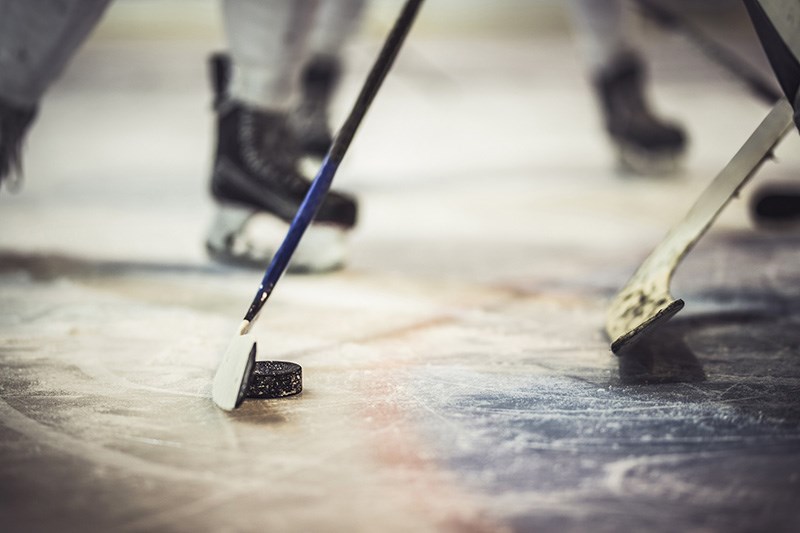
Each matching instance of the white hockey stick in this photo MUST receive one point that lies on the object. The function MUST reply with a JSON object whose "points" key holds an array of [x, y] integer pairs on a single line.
{"points": [[645, 302]]}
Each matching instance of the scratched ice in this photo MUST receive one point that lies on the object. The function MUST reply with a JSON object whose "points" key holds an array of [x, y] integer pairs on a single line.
{"points": [[456, 374]]}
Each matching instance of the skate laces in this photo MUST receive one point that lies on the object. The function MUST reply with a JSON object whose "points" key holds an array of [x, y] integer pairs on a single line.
{"points": [[267, 149]]}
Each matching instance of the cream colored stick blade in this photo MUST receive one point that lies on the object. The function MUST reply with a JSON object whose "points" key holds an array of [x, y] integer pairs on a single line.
{"points": [[233, 374], [645, 301]]}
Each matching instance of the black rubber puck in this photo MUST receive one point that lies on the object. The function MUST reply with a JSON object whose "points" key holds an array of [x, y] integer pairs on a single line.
{"points": [[275, 379]]}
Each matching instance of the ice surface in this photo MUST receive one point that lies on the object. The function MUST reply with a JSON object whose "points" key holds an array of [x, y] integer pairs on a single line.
{"points": [[455, 375]]}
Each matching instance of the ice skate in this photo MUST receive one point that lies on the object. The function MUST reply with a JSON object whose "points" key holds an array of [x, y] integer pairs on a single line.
{"points": [[646, 144], [258, 187], [14, 124], [309, 120], [776, 206]]}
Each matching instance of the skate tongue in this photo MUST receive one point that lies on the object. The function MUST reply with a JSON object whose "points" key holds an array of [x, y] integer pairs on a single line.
{"points": [[234, 373]]}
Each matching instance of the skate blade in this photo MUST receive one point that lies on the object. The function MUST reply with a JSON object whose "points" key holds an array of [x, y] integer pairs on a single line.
{"points": [[243, 237]]}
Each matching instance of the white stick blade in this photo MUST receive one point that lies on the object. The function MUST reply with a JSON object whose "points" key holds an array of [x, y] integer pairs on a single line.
{"points": [[233, 374]]}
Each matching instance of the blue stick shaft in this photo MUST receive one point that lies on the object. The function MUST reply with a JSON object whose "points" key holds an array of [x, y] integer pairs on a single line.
{"points": [[322, 182]]}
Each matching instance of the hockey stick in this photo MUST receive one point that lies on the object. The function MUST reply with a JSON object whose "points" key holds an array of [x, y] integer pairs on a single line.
{"points": [[645, 302], [232, 380], [727, 59]]}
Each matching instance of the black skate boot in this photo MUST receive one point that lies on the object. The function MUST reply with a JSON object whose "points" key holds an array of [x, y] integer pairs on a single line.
{"points": [[646, 144], [310, 121], [14, 124], [259, 188]]}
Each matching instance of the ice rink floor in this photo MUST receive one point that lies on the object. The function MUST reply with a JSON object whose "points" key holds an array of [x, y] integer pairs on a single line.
{"points": [[456, 373]]}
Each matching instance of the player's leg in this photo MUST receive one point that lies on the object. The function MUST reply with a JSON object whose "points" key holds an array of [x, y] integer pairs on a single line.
{"points": [[645, 142], [37, 40], [336, 21], [256, 178]]}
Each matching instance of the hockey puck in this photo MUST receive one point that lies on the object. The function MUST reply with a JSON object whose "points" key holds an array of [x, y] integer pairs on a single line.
{"points": [[275, 379]]}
